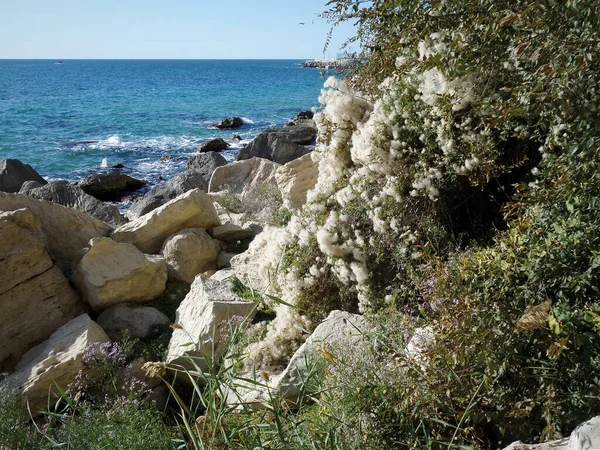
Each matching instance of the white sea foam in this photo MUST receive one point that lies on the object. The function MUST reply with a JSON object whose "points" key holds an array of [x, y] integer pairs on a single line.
{"points": [[104, 162], [246, 120]]}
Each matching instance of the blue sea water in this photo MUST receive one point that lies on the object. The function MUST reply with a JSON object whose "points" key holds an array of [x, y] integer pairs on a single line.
{"points": [[73, 119]]}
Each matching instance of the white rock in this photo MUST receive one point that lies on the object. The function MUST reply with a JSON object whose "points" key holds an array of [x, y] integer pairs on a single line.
{"points": [[230, 232], [223, 275], [137, 321], [67, 230], [190, 252], [295, 179], [242, 177], [585, 437], [112, 273], [194, 209], [56, 360], [205, 315]]}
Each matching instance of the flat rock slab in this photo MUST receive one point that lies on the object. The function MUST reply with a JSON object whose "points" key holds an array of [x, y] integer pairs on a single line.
{"points": [[111, 273], [67, 230], [13, 173], [57, 360], [231, 233], [194, 209], [206, 315]]}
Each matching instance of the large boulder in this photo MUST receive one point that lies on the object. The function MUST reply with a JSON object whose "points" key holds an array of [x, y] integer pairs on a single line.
{"points": [[56, 361], [229, 122], [67, 230], [161, 194], [214, 145], [110, 186], [190, 252], [111, 273], [585, 437], [243, 176], [13, 173], [295, 179], [194, 209], [206, 316], [137, 321], [281, 146], [230, 232], [205, 164], [35, 296], [67, 194]]}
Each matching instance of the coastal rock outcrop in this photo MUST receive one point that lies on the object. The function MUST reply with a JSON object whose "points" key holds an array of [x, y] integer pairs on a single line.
{"points": [[585, 436], [295, 179], [243, 176], [190, 252], [207, 316], [280, 145], [66, 230], [35, 296], [214, 145], [138, 321], [54, 362], [64, 193], [229, 122], [110, 186], [194, 209], [13, 173], [111, 273], [205, 164]]}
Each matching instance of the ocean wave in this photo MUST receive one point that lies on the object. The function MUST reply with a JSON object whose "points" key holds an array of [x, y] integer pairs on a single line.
{"points": [[249, 121]]}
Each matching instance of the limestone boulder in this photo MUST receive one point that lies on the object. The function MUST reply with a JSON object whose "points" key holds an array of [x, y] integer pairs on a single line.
{"points": [[66, 230], [295, 179], [29, 185], [223, 275], [214, 145], [206, 315], [64, 193], [110, 186], [111, 273], [138, 321], [194, 209], [55, 361], [163, 193], [190, 252], [277, 146], [244, 176], [585, 437], [13, 173]]}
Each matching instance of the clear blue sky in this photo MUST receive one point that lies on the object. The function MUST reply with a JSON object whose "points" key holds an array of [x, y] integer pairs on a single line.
{"points": [[196, 29]]}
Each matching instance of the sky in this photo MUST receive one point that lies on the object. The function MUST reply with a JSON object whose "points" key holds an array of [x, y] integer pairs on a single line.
{"points": [[158, 29]]}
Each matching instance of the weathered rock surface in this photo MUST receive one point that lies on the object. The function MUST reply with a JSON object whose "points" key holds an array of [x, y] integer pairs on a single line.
{"points": [[205, 164], [229, 122], [109, 186], [295, 179], [214, 145], [206, 317], [243, 176], [67, 194], [67, 231], [163, 193], [281, 145], [224, 260], [56, 360], [29, 185], [13, 173], [32, 310], [111, 273], [137, 321], [231, 233], [190, 252], [585, 437], [194, 209], [339, 328], [223, 275]]}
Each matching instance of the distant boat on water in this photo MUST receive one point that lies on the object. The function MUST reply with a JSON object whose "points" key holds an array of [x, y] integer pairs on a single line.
{"points": [[59, 62]]}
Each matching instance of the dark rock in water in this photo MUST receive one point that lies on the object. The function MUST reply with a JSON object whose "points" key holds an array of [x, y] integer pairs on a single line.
{"points": [[109, 186], [303, 115], [236, 137], [66, 194], [197, 175], [229, 122], [118, 166], [215, 145], [13, 173], [280, 145]]}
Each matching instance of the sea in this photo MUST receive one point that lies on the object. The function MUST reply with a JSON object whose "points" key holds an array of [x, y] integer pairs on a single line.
{"points": [[73, 118]]}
